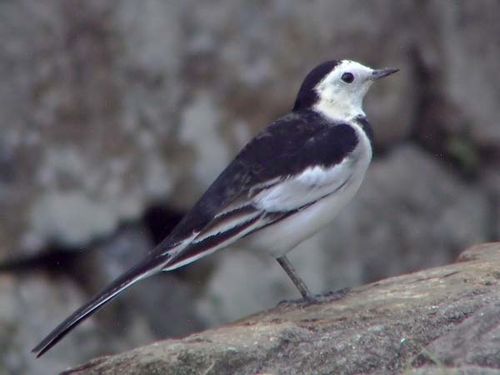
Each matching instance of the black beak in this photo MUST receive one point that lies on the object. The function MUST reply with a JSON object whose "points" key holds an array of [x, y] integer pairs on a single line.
{"points": [[381, 73]]}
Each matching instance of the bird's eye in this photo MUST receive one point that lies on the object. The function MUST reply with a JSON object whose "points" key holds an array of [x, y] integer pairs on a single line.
{"points": [[347, 77]]}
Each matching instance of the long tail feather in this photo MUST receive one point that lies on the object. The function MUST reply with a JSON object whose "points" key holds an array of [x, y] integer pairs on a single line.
{"points": [[142, 270]]}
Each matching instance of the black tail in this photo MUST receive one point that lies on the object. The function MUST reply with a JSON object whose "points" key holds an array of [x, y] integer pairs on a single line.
{"points": [[144, 269]]}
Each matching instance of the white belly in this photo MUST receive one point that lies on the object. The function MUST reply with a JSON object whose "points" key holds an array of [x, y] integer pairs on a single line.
{"points": [[280, 238]]}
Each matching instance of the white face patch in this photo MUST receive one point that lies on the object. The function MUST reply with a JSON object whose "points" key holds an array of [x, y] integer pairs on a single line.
{"points": [[342, 91]]}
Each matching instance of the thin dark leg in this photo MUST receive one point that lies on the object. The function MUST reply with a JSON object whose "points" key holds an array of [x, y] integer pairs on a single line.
{"points": [[299, 283]]}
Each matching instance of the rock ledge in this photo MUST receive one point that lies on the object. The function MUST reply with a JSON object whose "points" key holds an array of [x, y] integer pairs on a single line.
{"points": [[421, 323]]}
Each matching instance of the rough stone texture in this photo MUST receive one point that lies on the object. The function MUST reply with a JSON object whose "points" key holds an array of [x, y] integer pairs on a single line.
{"points": [[107, 107], [446, 317], [463, 370], [29, 304]]}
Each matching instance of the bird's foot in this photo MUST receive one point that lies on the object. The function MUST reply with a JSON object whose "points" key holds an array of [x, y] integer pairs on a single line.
{"points": [[311, 299], [333, 295], [294, 302]]}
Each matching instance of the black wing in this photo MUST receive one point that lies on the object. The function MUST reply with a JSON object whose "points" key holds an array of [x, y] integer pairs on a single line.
{"points": [[286, 148]]}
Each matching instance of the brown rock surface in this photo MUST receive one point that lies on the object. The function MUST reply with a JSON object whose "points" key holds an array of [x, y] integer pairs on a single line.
{"points": [[421, 323]]}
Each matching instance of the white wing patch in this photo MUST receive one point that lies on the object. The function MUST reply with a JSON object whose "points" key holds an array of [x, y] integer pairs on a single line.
{"points": [[271, 203], [294, 192], [225, 225], [181, 245], [214, 248], [307, 187]]}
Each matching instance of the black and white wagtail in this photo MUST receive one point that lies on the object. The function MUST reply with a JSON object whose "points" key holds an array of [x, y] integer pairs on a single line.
{"points": [[286, 184]]}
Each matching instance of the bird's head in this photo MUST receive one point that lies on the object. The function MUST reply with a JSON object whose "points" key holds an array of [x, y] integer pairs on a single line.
{"points": [[336, 88]]}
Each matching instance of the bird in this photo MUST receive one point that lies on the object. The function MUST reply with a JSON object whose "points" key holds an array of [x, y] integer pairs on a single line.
{"points": [[285, 185]]}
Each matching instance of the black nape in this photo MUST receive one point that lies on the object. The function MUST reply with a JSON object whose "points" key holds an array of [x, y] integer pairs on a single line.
{"points": [[307, 96]]}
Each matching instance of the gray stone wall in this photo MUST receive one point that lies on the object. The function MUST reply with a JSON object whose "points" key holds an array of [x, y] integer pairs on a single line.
{"points": [[108, 108]]}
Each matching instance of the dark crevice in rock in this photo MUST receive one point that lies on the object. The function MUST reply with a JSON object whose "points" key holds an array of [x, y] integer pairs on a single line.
{"points": [[439, 125], [57, 259], [60, 259], [160, 219], [492, 230]]}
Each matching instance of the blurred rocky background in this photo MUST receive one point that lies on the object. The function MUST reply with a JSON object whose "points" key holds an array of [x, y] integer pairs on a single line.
{"points": [[115, 115]]}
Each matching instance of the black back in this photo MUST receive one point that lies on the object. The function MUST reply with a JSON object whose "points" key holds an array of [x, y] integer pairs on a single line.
{"points": [[285, 148]]}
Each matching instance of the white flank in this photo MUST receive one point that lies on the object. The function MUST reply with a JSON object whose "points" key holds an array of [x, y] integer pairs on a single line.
{"points": [[311, 185]]}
